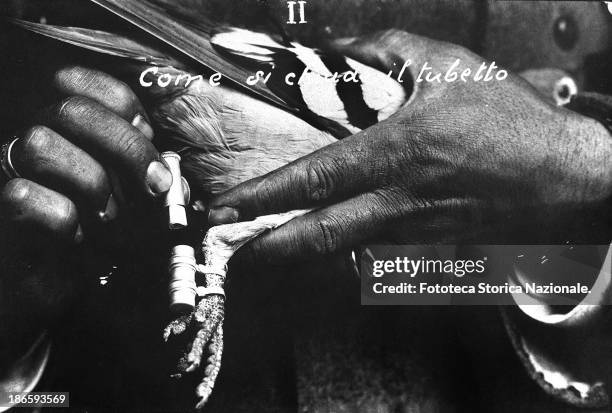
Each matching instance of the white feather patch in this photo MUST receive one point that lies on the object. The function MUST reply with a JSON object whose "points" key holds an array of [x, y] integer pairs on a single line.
{"points": [[321, 97], [380, 92], [317, 86], [245, 43]]}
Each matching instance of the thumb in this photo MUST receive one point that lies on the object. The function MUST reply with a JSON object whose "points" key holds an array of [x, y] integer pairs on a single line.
{"points": [[389, 49]]}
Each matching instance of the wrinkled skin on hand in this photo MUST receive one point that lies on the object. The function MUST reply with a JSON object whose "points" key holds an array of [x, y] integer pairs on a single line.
{"points": [[82, 159], [461, 161]]}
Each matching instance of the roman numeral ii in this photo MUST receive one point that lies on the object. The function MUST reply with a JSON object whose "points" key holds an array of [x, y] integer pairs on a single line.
{"points": [[291, 7]]}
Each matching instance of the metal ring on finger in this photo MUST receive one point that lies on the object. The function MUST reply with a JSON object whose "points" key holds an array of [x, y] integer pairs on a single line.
{"points": [[6, 162]]}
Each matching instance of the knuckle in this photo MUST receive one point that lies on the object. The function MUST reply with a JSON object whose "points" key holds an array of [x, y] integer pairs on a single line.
{"points": [[466, 55], [65, 217], [328, 236], [72, 107], [97, 180], [93, 186], [76, 80], [451, 52], [389, 202], [263, 193], [124, 96], [16, 192], [132, 145], [418, 202], [320, 180], [459, 51]]}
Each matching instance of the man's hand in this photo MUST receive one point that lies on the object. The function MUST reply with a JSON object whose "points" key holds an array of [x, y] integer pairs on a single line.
{"points": [[69, 160], [66, 159], [462, 159]]}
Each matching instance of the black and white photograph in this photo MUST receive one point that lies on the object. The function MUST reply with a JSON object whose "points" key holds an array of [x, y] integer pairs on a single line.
{"points": [[305, 206]]}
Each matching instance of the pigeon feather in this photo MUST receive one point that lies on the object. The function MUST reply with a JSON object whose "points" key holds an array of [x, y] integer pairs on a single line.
{"points": [[184, 36], [102, 42]]}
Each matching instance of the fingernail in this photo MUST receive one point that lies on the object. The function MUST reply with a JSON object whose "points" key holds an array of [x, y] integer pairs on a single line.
{"points": [[140, 123], [222, 215], [110, 211], [159, 177], [79, 236]]}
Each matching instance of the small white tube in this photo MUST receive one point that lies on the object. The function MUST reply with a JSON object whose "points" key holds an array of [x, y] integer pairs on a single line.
{"points": [[182, 286], [175, 198]]}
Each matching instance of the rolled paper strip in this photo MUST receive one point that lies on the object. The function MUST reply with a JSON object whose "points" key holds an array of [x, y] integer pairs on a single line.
{"points": [[204, 291], [175, 198], [177, 218], [213, 268], [182, 286], [186, 191]]}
